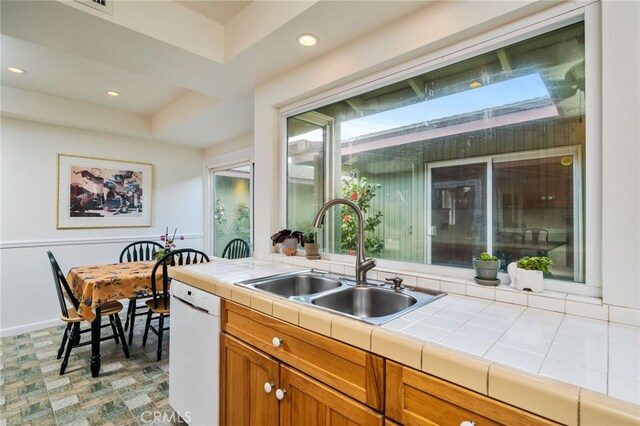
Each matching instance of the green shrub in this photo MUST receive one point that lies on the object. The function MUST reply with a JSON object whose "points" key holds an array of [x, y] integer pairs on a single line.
{"points": [[486, 257], [361, 193], [535, 263]]}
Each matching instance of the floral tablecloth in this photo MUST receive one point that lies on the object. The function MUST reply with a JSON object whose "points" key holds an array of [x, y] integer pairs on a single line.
{"points": [[98, 284]]}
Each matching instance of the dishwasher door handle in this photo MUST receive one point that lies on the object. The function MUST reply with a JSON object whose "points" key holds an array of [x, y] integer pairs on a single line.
{"points": [[190, 304]]}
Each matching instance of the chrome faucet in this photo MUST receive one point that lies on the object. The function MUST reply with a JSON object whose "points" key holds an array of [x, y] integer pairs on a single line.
{"points": [[362, 264]]}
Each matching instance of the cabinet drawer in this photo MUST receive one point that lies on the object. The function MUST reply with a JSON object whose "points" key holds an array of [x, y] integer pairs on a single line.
{"points": [[417, 398], [352, 371]]}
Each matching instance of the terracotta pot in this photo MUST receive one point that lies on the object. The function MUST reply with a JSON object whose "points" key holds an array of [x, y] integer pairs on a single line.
{"points": [[312, 251]]}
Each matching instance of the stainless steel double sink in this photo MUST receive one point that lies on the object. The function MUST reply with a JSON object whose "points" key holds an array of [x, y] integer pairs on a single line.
{"points": [[373, 303]]}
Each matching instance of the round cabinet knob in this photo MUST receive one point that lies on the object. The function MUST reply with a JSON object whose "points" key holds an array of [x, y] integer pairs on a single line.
{"points": [[277, 342], [280, 394], [468, 423], [268, 387]]}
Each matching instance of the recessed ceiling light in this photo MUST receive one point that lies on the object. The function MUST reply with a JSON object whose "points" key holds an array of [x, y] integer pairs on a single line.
{"points": [[17, 70], [475, 84], [112, 93], [307, 39]]}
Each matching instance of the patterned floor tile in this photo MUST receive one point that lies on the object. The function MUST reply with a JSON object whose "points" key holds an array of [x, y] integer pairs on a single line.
{"points": [[37, 410], [68, 401], [130, 391]]}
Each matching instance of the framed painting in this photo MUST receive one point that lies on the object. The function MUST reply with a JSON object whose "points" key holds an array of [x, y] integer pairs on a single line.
{"points": [[102, 193]]}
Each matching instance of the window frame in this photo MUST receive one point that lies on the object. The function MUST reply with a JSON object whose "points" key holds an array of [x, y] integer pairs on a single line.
{"points": [[239, 158], [519, 30]]}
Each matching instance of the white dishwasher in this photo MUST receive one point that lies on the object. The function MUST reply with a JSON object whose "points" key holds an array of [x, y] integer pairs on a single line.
{"points": [[194, 356]]}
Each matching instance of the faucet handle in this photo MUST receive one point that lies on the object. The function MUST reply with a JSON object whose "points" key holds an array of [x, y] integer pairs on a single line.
{"points": [[397, 283]]}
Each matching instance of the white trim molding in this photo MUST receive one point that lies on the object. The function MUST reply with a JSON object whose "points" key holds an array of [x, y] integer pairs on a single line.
{"points": [[228, 159], [4, 245], [25, 328]]}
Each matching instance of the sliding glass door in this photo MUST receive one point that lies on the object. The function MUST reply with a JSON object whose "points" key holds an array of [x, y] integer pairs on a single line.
{"points": [[536, 211], [458, 210], [232, 213], [510, 205]]}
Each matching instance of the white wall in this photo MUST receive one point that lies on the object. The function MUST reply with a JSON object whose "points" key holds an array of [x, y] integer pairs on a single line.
{"points": [[28, 205], [242, 142], [621, 152], [436, 28]]}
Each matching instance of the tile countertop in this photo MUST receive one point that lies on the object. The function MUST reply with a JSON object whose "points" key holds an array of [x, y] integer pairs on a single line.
{"points": [[557, 365]]}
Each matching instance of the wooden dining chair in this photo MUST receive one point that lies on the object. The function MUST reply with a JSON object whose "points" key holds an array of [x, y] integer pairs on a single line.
{"points": [[71, 335], [236, 249], [137, 252], [160, 304]]}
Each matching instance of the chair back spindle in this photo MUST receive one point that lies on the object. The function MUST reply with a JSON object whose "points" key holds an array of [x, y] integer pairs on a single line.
{"points": [[173, 258], [236, 249], [140, 251]]}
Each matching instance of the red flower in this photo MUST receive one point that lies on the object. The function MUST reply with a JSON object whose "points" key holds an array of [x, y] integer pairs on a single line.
{"points": [[346, 218], [354, 196]]}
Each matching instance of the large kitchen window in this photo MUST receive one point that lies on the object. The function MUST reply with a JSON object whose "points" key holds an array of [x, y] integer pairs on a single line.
{"points": [[484, 154]]}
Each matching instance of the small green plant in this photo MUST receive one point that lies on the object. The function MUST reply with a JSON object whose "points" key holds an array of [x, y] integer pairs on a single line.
{"points": [[535, 263], [310, 237], [486, 257]]}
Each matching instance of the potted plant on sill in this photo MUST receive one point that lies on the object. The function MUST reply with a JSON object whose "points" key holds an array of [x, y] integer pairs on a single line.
{"points": [[288, 241], [527, 273], [312, 249], [486, 267]]}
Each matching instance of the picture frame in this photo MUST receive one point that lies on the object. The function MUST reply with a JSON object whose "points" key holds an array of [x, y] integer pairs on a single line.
{"points": [[103, 193]]}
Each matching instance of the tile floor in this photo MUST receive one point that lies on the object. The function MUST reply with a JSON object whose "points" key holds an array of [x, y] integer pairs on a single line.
{"points": [[132, 391]]}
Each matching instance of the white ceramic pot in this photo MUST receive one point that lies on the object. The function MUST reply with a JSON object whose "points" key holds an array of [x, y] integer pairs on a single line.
{"points": [[522, 279], [289, 246]]}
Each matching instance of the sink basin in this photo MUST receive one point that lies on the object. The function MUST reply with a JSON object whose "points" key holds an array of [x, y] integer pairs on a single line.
{"points": [[366, 302], [297, 285], [371, 303]]}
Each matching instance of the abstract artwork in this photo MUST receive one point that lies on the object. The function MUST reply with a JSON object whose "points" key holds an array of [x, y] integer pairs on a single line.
{"points": [[102, 193]]}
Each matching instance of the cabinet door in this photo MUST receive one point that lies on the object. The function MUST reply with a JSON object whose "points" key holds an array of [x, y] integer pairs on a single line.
{"points": [[352, 371], [417, 398], [243, 374], [310, 403]]}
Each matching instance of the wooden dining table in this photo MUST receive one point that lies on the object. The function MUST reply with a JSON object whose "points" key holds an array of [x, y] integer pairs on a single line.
{"points": [[96, 285]]}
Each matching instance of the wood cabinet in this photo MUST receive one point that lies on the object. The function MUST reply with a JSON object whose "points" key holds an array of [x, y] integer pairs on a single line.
{"points": [[243, 373], [291, 397], [352, 371], [417, 398], [311, 403], [326, 382]]}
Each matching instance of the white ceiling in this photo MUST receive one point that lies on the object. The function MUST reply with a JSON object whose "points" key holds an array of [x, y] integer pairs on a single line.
{"points": [[219, 11], [186, 70]]}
